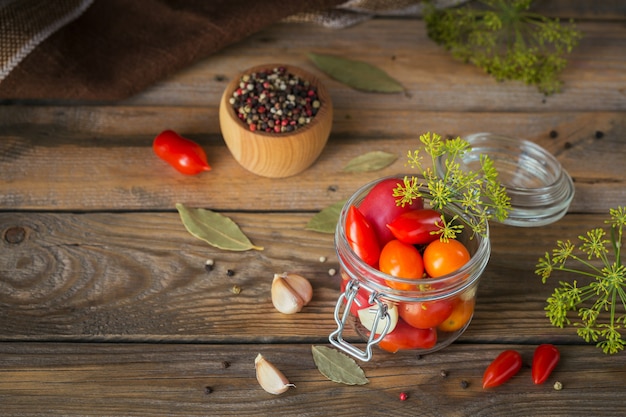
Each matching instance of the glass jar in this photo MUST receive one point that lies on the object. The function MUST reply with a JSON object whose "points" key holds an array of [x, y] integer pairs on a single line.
{"points": [[367, 288], [540, 189]]}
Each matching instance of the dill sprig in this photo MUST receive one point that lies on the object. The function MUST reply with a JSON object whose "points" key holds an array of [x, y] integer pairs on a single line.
{"points": [[605, 288], [477, 193], [506, 40]]}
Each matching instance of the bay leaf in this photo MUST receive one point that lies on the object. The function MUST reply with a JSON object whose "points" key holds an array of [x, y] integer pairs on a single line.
{"points": [[214, 228], [337, 366], [326, 220], [356, 74], [371, 161]]}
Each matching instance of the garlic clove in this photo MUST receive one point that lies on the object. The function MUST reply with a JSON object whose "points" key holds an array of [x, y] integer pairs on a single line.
{"points": [[290, 292], [270, 378], [367, 316]]}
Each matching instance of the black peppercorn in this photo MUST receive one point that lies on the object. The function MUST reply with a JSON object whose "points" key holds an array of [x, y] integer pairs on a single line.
{"points": [[275, 101]]}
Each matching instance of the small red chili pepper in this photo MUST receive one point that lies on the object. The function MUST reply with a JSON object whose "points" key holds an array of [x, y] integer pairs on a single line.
{"points": [[185, 155], [507, 364], [544, 361]]}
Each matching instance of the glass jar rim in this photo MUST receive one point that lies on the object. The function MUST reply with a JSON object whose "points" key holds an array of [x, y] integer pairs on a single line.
{"points": [[445, 286], [536, 205]]}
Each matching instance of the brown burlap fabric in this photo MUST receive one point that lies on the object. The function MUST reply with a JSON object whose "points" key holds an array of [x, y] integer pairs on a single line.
{"points": [[117, 48], [104, 50]]}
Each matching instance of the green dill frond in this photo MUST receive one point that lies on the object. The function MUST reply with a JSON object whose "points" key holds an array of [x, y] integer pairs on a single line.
{"points": [[479, 194], [506, 40], [600, 303]]}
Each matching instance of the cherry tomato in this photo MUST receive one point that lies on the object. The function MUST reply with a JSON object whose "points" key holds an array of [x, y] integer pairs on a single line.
{"points": [[379, 208], [406, 337], [401, 260], [507, 364], [425, 314], [415, 226], [545, 360], [185, 155], [441, 258], [362, 237], [462, 312]]}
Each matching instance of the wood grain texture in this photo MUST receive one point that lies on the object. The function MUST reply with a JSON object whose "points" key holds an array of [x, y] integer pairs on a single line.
{"points": [[72, 169], [152, 379], [104, 276], [106, 308]]}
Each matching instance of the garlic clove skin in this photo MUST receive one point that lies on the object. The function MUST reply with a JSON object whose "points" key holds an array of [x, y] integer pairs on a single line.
{"points": [[290, 292], [368, 315], [270, 378]]}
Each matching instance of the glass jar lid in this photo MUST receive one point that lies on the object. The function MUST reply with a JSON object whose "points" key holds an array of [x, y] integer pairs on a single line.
{"points": [[540, 189]]}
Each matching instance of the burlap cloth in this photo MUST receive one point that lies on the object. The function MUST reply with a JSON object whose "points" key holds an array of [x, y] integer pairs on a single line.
{"points": [[104, 50]]}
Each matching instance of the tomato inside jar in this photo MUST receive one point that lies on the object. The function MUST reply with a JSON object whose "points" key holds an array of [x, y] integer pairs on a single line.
{"points": [[420, 293]]}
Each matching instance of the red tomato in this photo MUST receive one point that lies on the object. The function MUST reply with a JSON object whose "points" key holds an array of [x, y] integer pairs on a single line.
{"points": [[401, 260], [379, 208], [406, 337], [415, 226], [362, 237], [507, 364], [544, 361], [441, 258], [462, 312], [185, 155], [425, 314]]}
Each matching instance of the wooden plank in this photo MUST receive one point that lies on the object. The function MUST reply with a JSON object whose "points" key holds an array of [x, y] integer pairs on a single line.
{"points": [[89, 159], [608, 9], [434, 80], [179, 379], [104, 276]]}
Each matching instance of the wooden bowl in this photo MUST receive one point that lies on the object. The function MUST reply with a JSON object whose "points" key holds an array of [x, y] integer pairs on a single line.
{"points": [[276, 155]]}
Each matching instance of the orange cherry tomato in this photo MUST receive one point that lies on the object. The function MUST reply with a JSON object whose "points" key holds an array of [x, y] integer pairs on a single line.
{"points": [[406, 337], [462, 312], [401, 260], [425, 314], [442, 258]]}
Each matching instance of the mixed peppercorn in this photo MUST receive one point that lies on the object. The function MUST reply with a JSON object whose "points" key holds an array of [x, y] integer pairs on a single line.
{"points": [[275, 101]]}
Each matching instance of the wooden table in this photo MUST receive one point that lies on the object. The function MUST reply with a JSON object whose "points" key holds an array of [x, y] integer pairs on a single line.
{"points": [[105, 304]]}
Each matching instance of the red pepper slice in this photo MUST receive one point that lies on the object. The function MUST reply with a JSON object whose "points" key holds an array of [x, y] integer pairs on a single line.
{"points": [[185, 155], [507, 364], [544, 361]]}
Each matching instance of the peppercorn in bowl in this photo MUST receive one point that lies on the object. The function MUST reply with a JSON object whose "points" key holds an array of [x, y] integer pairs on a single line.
{"points": [[275, 119]]}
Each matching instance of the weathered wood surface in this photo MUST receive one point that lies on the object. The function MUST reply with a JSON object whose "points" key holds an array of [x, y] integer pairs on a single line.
{"points": [[105, 305], [218, 380], [105, 276]]}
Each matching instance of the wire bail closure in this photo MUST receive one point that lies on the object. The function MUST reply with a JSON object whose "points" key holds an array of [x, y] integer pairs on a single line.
{"points": [[336, 337]]}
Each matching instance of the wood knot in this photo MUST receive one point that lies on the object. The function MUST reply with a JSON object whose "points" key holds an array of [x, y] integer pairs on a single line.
{"points": [[15, 235]]}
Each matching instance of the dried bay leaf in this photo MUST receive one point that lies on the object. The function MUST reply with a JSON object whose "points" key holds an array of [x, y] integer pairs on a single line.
{"points": [[215, 229], [371, 161], [338, 367], [326, 220], [356, 74]]}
